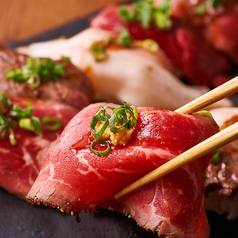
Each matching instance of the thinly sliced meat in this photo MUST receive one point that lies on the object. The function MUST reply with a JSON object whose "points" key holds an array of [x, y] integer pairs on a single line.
{"points": [[21, 163], [133, 75], [222, 33], [218, 25], [74, 179], [184, 46], [221, 182], [74, 88]]}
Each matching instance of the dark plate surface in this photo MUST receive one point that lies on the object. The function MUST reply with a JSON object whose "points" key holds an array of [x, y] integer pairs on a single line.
{"points": [[19, 219]]}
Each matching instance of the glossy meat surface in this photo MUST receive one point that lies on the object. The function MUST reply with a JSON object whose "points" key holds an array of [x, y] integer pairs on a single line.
{"points": [[74, 179]]}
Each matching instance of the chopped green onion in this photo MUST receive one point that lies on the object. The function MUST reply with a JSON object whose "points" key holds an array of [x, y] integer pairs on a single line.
{"points": [[150, 45], [162, 16], [47, 121], [98, 48], [126, 116], [146, 13], [34, 81], [30, 124], [26, 124], [36, 124], [19, 112], [205, 112], [124, 38], [127, 14], [36, 71], [5, 100], [4, 129], [100, 142], [12, 138], [65, 58], [215, 156], [97, 118]]}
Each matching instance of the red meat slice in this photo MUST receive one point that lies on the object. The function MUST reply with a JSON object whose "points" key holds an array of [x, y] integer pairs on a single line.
{"points": [[222, 32], [73, 89], [184, 46], [20, 164], [74, 179]]}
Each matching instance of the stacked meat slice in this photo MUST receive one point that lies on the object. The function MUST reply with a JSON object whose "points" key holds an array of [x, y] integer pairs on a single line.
{"points": [[21, 163], [74, 179], [73, 88]]}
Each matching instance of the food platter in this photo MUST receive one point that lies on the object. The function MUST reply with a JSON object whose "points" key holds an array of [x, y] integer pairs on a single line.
{"points": [[19, 219]]}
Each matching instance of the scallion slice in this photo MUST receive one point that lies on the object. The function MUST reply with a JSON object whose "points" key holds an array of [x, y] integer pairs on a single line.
{"points": [[4, 129], [124, 38], [215, 156], [30, 124], [12, 138], [145, 12], [150, 45], [47, 122], [36, 71], [5, 100], [124, 116], [19, 112], [95, 120], [100, 142]]}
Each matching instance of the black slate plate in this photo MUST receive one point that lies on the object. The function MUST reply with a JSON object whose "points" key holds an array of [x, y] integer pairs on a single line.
{"points": [[19, 219]]}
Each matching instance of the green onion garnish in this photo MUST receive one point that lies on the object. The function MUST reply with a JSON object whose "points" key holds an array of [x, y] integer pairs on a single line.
{"points": [[205, 112], [66, 58], [36, 71], [127, 14], [12, 138], [150, 45], [30, 124], [47, 122], [4, 128], [5, 100], [100, 142], [125, 116], [124, 38], [19, 112], [98, 48], [146, 13], [215, 156]]}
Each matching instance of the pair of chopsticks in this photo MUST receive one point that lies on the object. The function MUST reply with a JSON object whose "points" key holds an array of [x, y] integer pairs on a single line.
{"points": [[214, 142]]}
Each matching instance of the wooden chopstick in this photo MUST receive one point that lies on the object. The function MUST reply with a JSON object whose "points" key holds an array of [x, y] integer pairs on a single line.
{"points": [[212, 143], [215, 95], [218, 140]]}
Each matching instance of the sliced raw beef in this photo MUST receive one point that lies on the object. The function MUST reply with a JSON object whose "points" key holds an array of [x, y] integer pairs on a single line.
{"points": [[184, 46], [222, 32], [74, 179], [221, 184], [20, 163], [218, 24], [74, 88]]}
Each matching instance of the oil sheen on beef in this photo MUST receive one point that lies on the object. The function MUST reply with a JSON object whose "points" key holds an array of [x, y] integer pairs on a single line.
{"points": [[74, 179]]}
